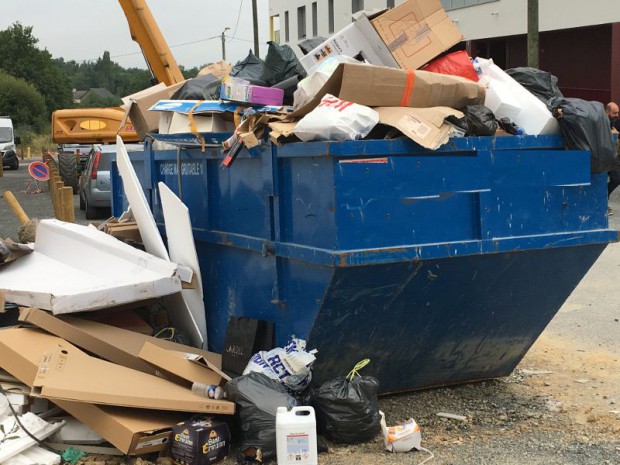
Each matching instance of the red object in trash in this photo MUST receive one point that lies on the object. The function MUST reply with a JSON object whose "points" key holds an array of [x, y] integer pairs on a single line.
{"points": [[456, 64]]}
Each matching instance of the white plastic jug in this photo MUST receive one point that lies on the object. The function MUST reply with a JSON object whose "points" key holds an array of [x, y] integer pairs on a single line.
{"points": [[296, 436]]}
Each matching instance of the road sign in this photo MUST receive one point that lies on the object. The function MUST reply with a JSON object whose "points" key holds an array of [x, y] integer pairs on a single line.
{"points": [[39, 171]]}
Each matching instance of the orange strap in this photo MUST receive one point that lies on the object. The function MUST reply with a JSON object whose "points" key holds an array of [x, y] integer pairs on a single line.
{"points": [[408, 90], [192, 126]]}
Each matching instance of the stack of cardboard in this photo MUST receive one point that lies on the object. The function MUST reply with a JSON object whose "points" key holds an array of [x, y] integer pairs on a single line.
{"points": [[129, 388]]}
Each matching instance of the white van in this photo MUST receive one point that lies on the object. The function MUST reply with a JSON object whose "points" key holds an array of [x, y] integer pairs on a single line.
{"points": [[7, 144]]}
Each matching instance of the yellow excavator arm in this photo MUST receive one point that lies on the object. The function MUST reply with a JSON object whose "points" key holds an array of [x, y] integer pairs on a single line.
{"points": [[96, 125], [146, 33]]}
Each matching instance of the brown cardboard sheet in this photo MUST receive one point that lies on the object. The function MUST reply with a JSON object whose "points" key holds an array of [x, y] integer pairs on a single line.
{"points": [[113, 344], [378, 86], [422, 125], [132, 431]]}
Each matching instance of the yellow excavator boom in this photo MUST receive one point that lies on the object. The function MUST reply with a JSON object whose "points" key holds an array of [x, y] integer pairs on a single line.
{"points": [[97, 125]]}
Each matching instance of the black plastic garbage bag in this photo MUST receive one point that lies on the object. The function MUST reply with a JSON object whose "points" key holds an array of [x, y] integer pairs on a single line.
{"points": [[307, 45], [347, 410], [205, 87], [257, 399], [480, 121], [281, 63], [507, 125], [585, 126], [542, 84], [250, 68], [289, 86]]}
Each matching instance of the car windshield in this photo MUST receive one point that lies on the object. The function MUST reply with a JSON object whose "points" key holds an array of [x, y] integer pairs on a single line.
{"points": [[6, 134]]}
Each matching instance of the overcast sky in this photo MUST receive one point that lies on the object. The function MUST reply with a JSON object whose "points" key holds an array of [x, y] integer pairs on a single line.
{"points": [[82, 30]]}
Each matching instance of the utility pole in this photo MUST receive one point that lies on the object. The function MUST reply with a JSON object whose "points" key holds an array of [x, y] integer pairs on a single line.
{"points": [[224, 43], [255, 20], [532, 33]]}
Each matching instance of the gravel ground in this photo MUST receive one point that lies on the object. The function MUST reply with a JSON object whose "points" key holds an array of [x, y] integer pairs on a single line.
{"points": [[560, 407]]}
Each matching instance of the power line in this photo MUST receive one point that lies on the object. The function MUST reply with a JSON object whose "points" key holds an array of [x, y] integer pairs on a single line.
{"points": [[238, 17], [171, 46]]}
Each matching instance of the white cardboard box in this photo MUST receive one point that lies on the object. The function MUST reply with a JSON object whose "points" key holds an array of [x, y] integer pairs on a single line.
{"points": [[357, 39], [172, 122]]}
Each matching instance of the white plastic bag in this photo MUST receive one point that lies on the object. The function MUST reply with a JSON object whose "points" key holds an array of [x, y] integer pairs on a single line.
{"points": [[308, 87], [338, 120], [289, 365]]}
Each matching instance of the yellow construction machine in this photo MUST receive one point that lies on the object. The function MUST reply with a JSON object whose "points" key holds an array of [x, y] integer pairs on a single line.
{"points": [[101, 125]]}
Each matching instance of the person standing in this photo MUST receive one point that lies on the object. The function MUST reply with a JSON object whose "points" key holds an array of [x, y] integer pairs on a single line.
{"points": [[613, 113]]}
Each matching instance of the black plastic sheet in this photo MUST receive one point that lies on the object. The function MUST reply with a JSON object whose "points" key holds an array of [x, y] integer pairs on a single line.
{"points": [[542, 84]]}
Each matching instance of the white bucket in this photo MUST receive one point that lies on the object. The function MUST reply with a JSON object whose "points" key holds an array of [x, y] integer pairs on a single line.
{"points": [[296, 436]]}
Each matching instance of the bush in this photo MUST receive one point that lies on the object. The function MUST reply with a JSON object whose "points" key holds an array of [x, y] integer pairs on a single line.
{"points": [[23, 103]]}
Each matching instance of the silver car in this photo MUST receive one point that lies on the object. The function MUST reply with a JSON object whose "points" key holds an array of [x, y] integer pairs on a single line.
{"points": [[94, 183]]}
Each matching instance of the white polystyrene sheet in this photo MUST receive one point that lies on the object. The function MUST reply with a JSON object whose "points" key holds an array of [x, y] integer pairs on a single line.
{"points": [[534, 118], [153, 243], [75, 268], [20, 440], [182, 250], [34, 456]]}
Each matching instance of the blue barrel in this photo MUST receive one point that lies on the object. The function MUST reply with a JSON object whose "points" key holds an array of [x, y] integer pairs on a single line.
{"points": [[440, 266]]}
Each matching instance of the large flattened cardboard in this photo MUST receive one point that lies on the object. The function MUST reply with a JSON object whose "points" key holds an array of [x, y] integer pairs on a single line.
{"points": [[416, 31], [379, 86], [67, 373], [192, 368], [57, 277], [114, 344], [132, 431]]}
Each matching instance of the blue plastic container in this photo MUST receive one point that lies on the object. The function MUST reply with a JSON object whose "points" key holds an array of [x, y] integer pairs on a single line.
{"points": [[441, 267]]}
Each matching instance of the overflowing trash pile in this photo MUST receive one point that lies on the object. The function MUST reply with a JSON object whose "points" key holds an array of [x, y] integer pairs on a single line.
{"points": [[107, 355]]}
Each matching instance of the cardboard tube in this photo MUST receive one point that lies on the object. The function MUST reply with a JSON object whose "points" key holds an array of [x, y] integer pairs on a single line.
{"points": [[16, 208]]}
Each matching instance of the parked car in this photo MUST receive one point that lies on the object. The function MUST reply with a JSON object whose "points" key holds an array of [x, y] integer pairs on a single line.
{"points": [[8, 143], [94, 182]]}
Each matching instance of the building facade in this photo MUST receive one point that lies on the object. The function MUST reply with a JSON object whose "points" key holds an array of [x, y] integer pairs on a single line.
{"points": [[579, 40]]}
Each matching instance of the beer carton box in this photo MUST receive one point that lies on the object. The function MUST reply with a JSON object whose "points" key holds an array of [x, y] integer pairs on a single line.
{"points": [[200, 442]]}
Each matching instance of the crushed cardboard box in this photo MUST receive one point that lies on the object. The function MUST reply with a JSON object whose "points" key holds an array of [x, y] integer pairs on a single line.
{"points": [[132, 431]]}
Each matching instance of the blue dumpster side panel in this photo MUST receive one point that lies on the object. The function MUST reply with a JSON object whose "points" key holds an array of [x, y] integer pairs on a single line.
{"points": [[453, 320]]}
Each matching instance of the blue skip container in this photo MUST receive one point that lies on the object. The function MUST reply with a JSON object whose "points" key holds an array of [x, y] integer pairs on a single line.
{"points": [[441, 267]]}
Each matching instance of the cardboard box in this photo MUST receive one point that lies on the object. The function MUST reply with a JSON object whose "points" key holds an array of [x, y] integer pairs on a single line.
{"points": [[132, 431], [200, 442], [138, 104], [110, 343], [422, 125], [179, 123], [378, 86], [240, 90], [221, 69], [357, 40], [416, 31]]}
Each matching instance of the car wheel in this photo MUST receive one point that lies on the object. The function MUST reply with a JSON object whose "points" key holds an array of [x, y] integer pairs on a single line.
{"points": [[91, 212], [82, 203], [15, 165]]}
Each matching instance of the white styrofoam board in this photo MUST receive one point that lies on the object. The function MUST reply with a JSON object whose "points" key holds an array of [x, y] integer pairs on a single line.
{"points": [[153, 243], [182, 250], [76, 432], [35, 425], [75, 268], [34, 456]]}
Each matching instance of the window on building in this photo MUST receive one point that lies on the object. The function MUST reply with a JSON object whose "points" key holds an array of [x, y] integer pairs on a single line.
{"points": [[275, 28], [357, 5], [287, 36], [330, 15], [315, 20], [301, 22], [390, 3], [455, 4]]}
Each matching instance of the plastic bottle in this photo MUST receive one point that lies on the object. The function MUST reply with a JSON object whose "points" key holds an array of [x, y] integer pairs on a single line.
{"points": [[296, 436]]}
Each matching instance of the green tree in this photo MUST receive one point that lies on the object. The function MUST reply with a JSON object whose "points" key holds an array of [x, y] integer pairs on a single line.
{"points": [[23, 103], [20, 57], [96, 101]]}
